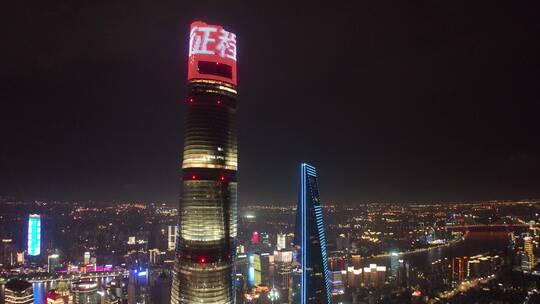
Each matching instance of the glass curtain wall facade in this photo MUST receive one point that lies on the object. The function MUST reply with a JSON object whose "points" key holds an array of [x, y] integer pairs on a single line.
{"points": [[314, 282], [205, 253]]}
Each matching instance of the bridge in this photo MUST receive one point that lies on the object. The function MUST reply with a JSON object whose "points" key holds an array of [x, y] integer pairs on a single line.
{"points": [[494, 226], [45, 278], [507, 223]]}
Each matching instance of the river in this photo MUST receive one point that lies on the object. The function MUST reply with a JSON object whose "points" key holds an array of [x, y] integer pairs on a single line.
{"points": [[475, 243]]}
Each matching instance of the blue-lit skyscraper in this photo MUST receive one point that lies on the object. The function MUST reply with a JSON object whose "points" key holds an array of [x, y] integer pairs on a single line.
{"points": [[34, 234], [311, 241]]}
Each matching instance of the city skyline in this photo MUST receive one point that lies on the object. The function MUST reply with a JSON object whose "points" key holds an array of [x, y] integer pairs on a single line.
{"points": [[383, 253], [404, 103]]}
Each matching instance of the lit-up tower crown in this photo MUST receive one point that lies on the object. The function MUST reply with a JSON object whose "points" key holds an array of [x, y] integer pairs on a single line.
{"points": [[311, 241], [203, 272]]}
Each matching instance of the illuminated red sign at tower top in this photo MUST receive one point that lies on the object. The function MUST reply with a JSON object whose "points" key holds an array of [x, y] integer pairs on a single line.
{"points": [[212, 53]]}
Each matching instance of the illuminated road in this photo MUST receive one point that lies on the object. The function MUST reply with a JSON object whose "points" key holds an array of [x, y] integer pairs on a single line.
{"points": [[463, 287]]}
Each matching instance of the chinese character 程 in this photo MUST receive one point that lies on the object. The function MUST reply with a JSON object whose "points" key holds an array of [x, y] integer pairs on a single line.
{"points": [[227, 45]]}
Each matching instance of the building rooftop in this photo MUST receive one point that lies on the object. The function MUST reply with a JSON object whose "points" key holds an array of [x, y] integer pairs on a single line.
{"points": [[18, 285], [84, 286]]}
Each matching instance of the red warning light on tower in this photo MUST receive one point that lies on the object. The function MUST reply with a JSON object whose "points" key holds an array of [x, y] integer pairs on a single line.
{"points": [[212, 53], [255, 238]]}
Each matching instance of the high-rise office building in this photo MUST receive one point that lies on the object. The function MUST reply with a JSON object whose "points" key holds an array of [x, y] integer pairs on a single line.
{"points": [[18, 292], [528, 247], [34, 234], [138, 285], [172, 234], [20, 257], [338, 285], [86, 258], [8, 252], [206, 246], [524, 261], [160, 287], [261, 266], [459, 270], [53, 262], [342, 242], [154, 256], [281, 242], [374, 276], [394, 264], [283, 256], [283, 280], [311, 241]]}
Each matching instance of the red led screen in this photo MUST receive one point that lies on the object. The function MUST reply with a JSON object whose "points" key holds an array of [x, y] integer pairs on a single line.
{"points": [[212, 53]]}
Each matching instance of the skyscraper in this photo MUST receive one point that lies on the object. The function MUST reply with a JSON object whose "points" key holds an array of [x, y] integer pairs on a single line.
{"points": [[205, 254], [53, 262], [86, 258], [34, 234], [172, 234], [529, 250], [311, 241], [138, 289], [281, 242], [160, 287], [8, 252]]}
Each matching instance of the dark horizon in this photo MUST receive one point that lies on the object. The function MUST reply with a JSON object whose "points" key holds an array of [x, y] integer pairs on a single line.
{"points": [[398, 102], [264, 203]]}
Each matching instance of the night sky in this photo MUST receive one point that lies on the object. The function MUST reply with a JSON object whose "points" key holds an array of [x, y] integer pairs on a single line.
{"points": [[392, 101]]}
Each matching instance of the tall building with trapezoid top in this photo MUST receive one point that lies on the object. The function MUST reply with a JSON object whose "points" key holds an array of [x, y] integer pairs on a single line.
{"points": [[314, 285]]}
